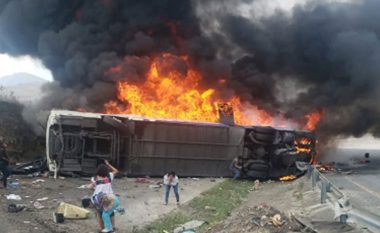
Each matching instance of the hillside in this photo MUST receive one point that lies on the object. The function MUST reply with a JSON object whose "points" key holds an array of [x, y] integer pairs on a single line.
{"points": [[24, 87], [20, 79]]}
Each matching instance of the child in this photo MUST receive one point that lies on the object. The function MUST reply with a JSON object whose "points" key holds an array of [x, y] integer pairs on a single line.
{"points": [[103, 198]]}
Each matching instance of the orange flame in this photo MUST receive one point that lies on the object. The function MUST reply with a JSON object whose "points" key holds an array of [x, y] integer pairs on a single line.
{"points": [[171, 94], [303, 145], [313, 119], [288, 178], [176, 95]]}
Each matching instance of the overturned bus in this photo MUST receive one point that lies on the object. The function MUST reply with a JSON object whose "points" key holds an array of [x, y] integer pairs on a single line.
{"points": [[78, 142]]}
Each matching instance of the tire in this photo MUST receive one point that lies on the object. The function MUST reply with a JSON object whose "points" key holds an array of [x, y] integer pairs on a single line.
{"points": [[269, 138], [264, 130], [257, 165], [251, 174], [261, 139]]}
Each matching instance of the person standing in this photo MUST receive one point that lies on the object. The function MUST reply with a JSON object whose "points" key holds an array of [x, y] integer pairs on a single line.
{"points": [[171, 181], [103, 198], [4, 163], [236, 167]]}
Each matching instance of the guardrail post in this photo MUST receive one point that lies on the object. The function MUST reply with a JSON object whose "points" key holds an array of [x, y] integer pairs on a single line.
{"points": [[324, 191], [343, 218], [314, 178], [328, 186], [309, 172]]}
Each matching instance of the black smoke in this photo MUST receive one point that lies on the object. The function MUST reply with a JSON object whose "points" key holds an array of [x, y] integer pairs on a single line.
{"points": [[319, 56], [330, 48], [80, 40]]}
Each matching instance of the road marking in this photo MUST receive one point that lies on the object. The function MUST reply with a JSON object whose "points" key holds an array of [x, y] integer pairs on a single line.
{"points": [[363, 187]]}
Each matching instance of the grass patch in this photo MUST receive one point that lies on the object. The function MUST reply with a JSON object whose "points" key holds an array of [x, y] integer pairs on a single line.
{"points": [[212, 206], [167, 223]]}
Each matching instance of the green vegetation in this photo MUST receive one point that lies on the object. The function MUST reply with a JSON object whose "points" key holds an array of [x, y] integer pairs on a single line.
{"points": [[212, 206]]}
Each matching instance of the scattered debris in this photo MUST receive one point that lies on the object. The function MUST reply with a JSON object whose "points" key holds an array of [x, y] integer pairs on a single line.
{"points": [[13, 197], [14, 208], [38, 181], [38, 205], [256, 185], [256, 220], [194, 178], [120, 211], [192, 225], [325, 168], [155, 186], [86, 202], [84, 186], [14, 185], [58, 218], [277, 221], [70, 211], [210, 208], [142, 180], [262, 218], [33, 168], [42, 199]]}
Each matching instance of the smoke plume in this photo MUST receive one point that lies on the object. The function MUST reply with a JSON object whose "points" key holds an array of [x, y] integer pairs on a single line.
{"points": [[317, 56], [331, 50]]}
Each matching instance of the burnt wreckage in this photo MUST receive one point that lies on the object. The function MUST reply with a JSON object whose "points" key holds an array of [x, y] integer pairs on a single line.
{"points": [[78, 142]]}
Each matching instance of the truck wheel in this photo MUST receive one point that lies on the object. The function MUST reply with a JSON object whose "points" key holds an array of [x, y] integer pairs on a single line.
{"points": [[268, 138], [251, 174], [264, 130], [257, 165], [262, 139]]}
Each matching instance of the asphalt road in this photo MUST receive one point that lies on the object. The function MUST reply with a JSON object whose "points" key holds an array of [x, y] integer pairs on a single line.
{"points": [[361, 182]]}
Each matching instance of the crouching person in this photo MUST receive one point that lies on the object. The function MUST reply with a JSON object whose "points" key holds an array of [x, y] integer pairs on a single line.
{"points": [[235, 168], [106, 204], [171, 181], [103, 198]]}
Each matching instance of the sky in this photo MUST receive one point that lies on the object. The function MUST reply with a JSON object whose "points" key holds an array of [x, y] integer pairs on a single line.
{"points": [[24, 64]]}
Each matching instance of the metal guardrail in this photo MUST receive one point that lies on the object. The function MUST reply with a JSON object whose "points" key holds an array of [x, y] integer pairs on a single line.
{"points": [[341, 202]]}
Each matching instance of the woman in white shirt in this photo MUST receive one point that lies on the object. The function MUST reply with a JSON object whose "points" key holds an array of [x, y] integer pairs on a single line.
{"points": [[171, 180]]}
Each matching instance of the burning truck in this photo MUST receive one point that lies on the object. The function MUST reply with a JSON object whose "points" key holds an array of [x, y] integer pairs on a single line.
{"points": [[79, 141]]}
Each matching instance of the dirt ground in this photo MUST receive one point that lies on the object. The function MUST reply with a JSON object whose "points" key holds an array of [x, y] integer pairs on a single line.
{"points": [[141, 202]]}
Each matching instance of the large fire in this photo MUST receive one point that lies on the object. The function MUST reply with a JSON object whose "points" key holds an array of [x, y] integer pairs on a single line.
{"points": [[171, 94]]}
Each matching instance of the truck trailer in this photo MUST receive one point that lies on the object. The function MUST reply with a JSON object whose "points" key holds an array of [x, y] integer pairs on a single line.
{"points": [[79, 141]]}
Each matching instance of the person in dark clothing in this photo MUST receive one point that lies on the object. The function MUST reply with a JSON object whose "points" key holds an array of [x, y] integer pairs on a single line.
{"points": [[4, 163]]}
